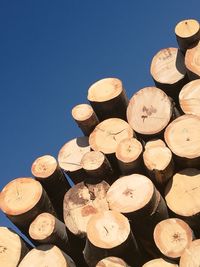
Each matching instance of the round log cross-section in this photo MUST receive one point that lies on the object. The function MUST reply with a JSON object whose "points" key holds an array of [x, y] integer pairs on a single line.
{"points": [[149, 111], [192, 62], [182, 137], [187, 33], [112, 262], [108, 98], [85, 117], [191, 255], [12, 248], [159, 263], [189, 98], [70, 155], [172, 236], [47, 255]]}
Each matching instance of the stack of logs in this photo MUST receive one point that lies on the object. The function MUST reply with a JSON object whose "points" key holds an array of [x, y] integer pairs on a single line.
{"points": [[135, 199]]}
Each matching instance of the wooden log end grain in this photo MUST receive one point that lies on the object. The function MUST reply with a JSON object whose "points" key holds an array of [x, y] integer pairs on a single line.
{"points": [[189, 98], [192, 62], [159, 263], [85, 117], [112, 262], [47, 255], [108, 98], [129, 155], [70, 155], [81, 202], [12, 248], [168, 71], [187, 33], [97, 167], [44, 166], [149, 111], [191, 255], [182, 137], [172, 236], [182, 196]]}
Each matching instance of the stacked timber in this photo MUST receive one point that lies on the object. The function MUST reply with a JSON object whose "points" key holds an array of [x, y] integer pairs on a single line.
{"points": [[127, 192]]}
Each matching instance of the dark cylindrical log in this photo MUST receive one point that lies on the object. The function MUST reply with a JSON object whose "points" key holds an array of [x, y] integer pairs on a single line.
{"points": [[112, 262], [81, 202], [172, 236], [45, 169], [47, 229], [192, 62], [85, 117], [109, 234], [70, 155], [129, 156], [187, 33], [191, 255], [189, 98], [108, 99], [149, 112], [97, 167], [182, 137], [169, 72], [12, 248], [47, 255], [159, 263], [22, 200]]}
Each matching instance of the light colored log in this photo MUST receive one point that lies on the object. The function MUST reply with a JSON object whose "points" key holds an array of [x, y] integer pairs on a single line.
{"points": [[85, 117], [46, 170], [70, 155], [149, 111], [112, 262], [172, 236], [97, 167], [187, 33], [159, 263], [22, 200], [182, 196], [182, 137], [12, 248], [47, 229], [129, 156], [189, 98], [191, 255], [47, 255], [108, 98], [81, 202], [192, 62]]}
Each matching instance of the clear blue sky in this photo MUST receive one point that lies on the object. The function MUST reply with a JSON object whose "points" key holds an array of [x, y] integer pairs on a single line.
{"points": [[51, 51]]}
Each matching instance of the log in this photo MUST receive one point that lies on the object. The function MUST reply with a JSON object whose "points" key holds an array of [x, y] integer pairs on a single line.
{"points": [[85, 117], [191, 255], [81, 202], [108, 98], [129, 156], [159, 263], [46, 170], [158, 162], [149, 112], [187, 33], [12, 248], [182, 196], [70, 155], [169, 72], [46, 228], [192, 62], [47, 255], [112, 262], [189, 98], [172, 236], [97, 167], [182, 137], [22, 200], [109, 234]]}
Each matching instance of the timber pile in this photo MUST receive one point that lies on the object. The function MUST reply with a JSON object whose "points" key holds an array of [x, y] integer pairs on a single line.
{"points": [[135, 198]]}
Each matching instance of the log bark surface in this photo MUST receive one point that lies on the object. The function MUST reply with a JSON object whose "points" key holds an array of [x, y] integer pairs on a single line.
{"points": [[191, 256]]}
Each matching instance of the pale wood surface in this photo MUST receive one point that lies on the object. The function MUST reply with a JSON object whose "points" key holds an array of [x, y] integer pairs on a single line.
{"points": [[112, 262], [191, 256], [159, 263], [192, 61]]}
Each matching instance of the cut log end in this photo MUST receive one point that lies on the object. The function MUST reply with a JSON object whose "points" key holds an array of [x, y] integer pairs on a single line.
{"points": [[187, 28], [44, 166], [149, 111], [42, 227], [108, 229], [159, 263], [107, 135], [82, 112], [172, 236], [105, 89], [111, 262], [92, 160], [192, 61], [191, 256], [20, 196]]}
